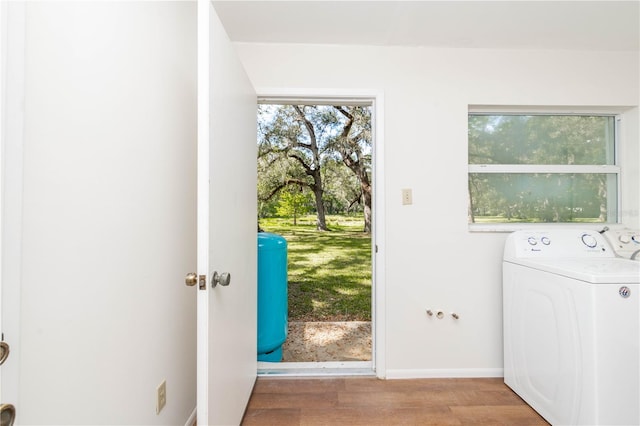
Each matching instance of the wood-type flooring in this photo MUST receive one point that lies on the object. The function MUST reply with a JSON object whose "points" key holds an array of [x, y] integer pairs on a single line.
{"points": [[369, 401]]}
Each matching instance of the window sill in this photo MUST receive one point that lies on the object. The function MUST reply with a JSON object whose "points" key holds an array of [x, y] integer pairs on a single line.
{"points": [[510, 227]]}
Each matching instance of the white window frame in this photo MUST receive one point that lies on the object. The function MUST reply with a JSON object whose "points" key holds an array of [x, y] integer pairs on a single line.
{"points": [[614, 205]]}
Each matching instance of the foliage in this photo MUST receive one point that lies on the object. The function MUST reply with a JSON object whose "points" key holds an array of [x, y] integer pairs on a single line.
{"points": [[539, 140], [289, 140], [293, 203], [353, 147], [316, 147], [342, 194], [329, 272]]}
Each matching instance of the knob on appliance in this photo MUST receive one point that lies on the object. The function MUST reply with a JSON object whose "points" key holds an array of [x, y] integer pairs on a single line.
{"points": [[589, 240]]}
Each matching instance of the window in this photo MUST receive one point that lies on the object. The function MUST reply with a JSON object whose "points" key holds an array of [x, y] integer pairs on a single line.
{"points": [[542, 168]]}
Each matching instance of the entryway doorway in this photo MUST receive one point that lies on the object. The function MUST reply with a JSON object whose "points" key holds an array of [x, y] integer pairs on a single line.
{"points": [[316, 188]]}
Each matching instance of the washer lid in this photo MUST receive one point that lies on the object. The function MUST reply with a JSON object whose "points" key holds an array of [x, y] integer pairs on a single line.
{"points": [[595, 271]]}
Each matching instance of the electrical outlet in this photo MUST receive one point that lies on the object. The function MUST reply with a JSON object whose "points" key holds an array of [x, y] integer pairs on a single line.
{"points": [[407, 198], [161, 394]]}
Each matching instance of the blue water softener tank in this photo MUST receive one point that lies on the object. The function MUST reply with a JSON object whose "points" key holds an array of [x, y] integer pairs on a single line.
{"points": [[272, 296]]}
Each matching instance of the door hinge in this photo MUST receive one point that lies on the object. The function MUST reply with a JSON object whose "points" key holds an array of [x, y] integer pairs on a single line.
{"points": [[202, 282]]}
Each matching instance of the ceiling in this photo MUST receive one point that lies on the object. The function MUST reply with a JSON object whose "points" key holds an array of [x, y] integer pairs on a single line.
{"points": [[581, 25]]}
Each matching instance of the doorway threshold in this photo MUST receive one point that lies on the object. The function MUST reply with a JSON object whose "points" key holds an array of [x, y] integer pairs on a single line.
{"points": [[319, 369]]}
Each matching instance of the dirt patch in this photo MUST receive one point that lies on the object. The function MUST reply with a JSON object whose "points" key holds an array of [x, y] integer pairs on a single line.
{"points": [[328, 341]]}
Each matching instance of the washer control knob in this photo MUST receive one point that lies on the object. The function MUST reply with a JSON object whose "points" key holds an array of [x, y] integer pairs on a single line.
{"points": [[532, 241], [625, 239], [589, 240], [545, 240]]}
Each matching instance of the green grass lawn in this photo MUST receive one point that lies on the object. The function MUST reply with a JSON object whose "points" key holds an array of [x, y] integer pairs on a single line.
{"points": [[329, 272]]}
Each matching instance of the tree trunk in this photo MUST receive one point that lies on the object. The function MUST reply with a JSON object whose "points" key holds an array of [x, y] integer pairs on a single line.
{"points": [[313, 169], [365, 185], [321, 223], [472, 217], [348, 149], [367, 210]]}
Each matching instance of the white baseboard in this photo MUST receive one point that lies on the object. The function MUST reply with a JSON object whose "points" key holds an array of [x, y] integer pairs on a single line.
{"points": [[192, 418], [445, 373]]}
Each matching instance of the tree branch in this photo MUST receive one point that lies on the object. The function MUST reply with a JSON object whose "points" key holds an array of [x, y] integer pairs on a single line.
{"points": [[288, 182], [307, 124], [344, 112], [295, 156]]}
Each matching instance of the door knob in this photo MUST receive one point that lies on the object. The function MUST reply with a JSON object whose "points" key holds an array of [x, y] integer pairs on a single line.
{"points": [[7, 414], [4, 352], [191, 279], [223, 279]]}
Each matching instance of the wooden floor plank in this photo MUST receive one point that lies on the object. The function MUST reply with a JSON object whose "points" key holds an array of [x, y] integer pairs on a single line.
{"points": [[299, 385], [380, 416], [369, 401], [492, 397], [498, 415], [397, 399], [293, 400], [272, 416]]}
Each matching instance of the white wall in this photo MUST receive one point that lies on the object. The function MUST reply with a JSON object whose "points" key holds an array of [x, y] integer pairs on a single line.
{"points": [[432, 260], [108, 213]]}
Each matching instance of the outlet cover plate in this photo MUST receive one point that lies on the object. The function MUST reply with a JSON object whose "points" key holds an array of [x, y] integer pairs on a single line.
{"points": [[161, 393], [407, 197]]}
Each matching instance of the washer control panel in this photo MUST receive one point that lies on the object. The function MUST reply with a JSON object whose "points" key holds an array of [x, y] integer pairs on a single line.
{"points": [[625, 242], [554, 243]]}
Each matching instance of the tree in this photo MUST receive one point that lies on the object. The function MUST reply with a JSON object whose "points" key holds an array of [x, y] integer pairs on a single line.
{"points": [[353, 144], [342, 193], [290, 138], [293, 203], [539, 140], [301, 145]]}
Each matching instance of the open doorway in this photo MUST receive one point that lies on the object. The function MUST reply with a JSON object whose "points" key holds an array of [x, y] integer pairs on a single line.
{"points": [[315, 188]]}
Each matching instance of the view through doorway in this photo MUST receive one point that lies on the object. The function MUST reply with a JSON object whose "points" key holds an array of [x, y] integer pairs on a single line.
{"points": [[315, 190]]}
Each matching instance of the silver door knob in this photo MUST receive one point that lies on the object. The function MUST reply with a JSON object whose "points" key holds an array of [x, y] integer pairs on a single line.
{"points": [[222, 279], [191, 279]]}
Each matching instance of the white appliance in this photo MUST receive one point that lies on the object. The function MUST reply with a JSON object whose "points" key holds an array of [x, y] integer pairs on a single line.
{"points": [[572, 327], [625, 242]]}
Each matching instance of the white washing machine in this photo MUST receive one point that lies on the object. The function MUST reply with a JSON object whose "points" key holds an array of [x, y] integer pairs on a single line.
{"points": [[572, 327]]}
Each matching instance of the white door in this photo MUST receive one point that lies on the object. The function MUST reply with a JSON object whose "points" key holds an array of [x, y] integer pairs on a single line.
{"points": [[227, 315], [11, 121]]}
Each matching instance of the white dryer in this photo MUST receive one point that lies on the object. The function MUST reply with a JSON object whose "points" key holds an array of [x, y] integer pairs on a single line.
{"points": [[572, 327]]}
